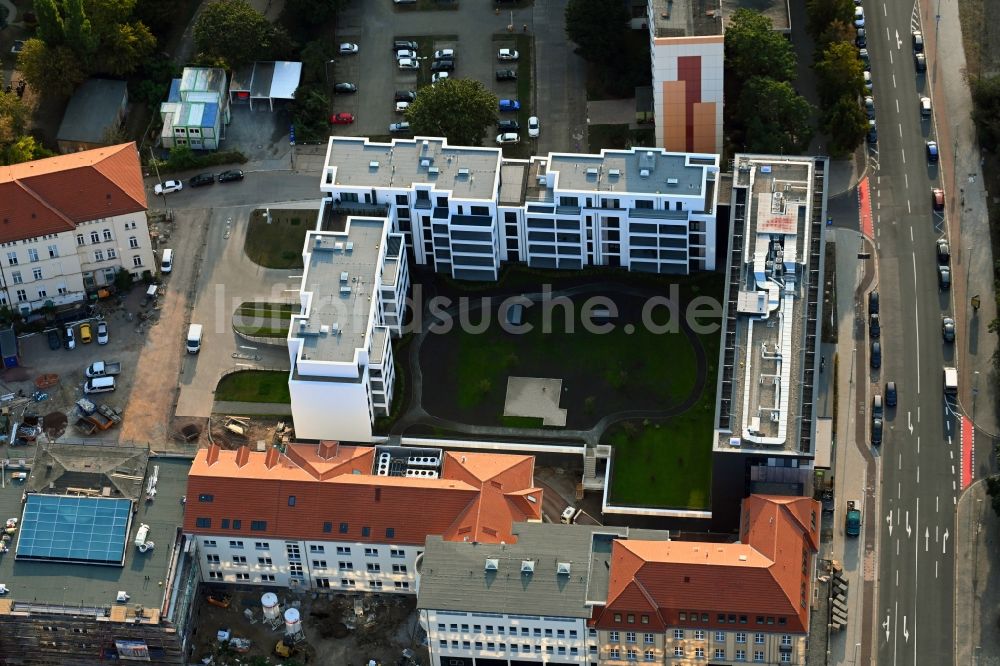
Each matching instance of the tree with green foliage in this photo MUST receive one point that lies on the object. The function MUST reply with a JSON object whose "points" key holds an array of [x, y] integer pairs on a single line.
{"points": [[50, 22], [836, 31], [78, 32], [126, 49], [993, 490], [311, 112], [237, 33], [777, 118], [986, 110], [52, 69], [459, 109], [597, 27], [754, 49], [845, 124], [309, 15], [822, 13], [839, 73], [24, 149]]}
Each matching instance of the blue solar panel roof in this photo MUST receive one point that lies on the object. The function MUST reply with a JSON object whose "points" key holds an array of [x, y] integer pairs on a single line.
{"points": [[87, 530]]}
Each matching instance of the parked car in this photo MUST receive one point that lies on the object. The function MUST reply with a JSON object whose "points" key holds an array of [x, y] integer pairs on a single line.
{"points": [[444, 54], [943, 252], [506, 75], [168, 186], [533, 128], [507, 55], [70, 338], [872, 136], [890, 394], [877, 426], [406, 53], [55, 342], [870, 107], [932, 152], [404, 45], [342, 118], [925, 107], [438, 76], [399, 128], [401, 107], [508, 125], [230, 176], [348, 48], [345, 88], [875, 355], [874, 327], [404, 96], [443, 66], [201, 180], [85, 334], [866, 61], [18, 46], [873, 302], [917, 38], [859, 17], [408, 63], [944, 278], [508, 137], [510, 105], [102, 333], [868, 80], [947, 328], [937, 198], [860, 40], [920, 62]]}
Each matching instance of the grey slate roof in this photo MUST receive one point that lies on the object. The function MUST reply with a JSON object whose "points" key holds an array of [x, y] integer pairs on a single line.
{"points": [[92, 110]]}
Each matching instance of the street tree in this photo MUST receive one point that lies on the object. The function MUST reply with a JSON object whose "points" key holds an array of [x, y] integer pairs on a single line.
{"points": [[845, 124], [50, 22], [597, 27], [235, 32], [836, 31], [50, 69], [753, 48], [986, 110], [459, 109], [125, 49], [24, 149], [777, 118], [821, 13], [839, 73]]}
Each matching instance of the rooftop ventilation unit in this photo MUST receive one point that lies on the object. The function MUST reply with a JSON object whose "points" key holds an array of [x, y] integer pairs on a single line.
{"points": [[345, 289], [463, 172], [425, 162], [338, 247], [671, 181], [344, 276], [527, 567], [614, 172], [644, 173], [335, 328], [491, 564], [350, 247], [319, 241], [324, 329], [373, 164], [562, 568], [433, 171], [592, 171]]}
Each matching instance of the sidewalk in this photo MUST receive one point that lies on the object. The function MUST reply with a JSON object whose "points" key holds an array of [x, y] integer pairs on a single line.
{"points": [[251, 408], [977, 579]]}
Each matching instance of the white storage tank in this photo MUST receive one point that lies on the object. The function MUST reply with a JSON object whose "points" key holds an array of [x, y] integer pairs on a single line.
{"points": [[293, 623], [269, 600]]}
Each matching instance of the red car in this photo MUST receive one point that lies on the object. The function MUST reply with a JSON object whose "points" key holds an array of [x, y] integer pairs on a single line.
{"points": [[342, 118], [937, 199]]}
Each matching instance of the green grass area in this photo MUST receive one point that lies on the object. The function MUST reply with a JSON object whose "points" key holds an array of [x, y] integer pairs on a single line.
{"points": [[521, 421], [278, 243], [254, 386], [263, 309], [618, 136]]}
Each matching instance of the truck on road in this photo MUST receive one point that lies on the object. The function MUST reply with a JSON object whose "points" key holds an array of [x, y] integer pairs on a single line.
{"points": [[103, 369], [853, 521], [950, 381]]}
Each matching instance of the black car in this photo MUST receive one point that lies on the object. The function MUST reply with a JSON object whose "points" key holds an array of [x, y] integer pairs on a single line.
{"points": [[861, 41], [201, 180], [874, 327], [943, 252], [876, 432], [404, 96], [53, 337], [506, 75], [890, 394], [508, 125], [918, 41], [345, 88], [872, 136], [229, 176], [873, 302], [932, 152], [875, 357], [443, 66], [404, 45]]}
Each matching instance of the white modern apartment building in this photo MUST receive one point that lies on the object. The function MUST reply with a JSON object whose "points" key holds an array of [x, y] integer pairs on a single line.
{"points": [[353, 298], [465, 210], [328, 516], [69, 224]]}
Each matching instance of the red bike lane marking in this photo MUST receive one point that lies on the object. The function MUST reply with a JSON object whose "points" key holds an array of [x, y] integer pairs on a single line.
{"points": [[865, 208], [968, 451]]}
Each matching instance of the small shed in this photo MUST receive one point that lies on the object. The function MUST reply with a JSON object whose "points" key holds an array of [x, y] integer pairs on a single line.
{"points": [[96, 110], [265, 82], [8, 348]]}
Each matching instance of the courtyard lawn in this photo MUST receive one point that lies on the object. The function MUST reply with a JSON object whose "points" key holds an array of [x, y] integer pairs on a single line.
{"points": [[254, 386], [278, 244]]}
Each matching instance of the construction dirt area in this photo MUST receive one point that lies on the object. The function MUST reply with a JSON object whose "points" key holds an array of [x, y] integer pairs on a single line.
{"points": [[336, 629]]}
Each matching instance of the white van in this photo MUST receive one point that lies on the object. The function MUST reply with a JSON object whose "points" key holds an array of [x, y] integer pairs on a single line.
{"points": [[194, 339], [167, 263], [99, 385]]}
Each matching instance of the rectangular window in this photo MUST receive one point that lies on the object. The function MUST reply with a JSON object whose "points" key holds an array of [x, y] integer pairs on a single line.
{"points": [[741, 637], [215, 575], [212, 559], [343, 550], [371, 552], [95, 237], [720, 653], [786, 657], [678, 634], [22, 295], [678, 651], [397, 552], [262, 545], [647, 638], [316, 548], [291, 500], [267, 578], [203, 523], [786, 640], [53, 251], [343, 528], [375, 584], [258, 525], [366, 531], [112, 254], [741, 655], [699, 635], [98, 255], [42, 293], [758, 638], [327, 527], [650, 655], [12, 258], [242, 576], [345, 566], [237, 524], [206, 498], [107, 234], [136, 261], [15, 277], [699, 653], [399, 568], [319, 564], [390, 532], [32, 254], [236, 544], [208, 543], [613, 636], [80, 240], [239, 559], [758, 655], [133, 242], [630, 637], [401, 585], [373, 567], [264, 561]]}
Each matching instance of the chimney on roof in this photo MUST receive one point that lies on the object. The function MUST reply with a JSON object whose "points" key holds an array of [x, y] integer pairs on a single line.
{"points": [[212, 456], [328, 449], [271, 459], [242, 456]]}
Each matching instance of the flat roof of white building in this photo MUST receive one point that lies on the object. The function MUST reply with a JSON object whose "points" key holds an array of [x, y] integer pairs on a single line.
{"points": [[773, 305], [341, 271], [686, 18], [469, 172], [639, 170]]}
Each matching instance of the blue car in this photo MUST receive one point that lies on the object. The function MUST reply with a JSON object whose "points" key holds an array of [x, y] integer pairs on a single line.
{"points": [[510, 105]]}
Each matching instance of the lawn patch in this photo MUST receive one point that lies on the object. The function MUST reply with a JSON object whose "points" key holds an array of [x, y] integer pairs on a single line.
{"points": [[276, 242], [254, 386]]}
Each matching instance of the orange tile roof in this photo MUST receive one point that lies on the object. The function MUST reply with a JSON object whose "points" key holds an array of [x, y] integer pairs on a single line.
{"points": [[478, 496], [55, 194], [763, 576]]}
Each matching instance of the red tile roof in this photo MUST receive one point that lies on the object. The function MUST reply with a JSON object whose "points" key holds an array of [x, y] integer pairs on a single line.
{"points": [[55, 194], [478, 496], [763, 576]]}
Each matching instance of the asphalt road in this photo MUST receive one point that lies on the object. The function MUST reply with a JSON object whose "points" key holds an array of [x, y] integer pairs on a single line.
{"points": [[920, 456]]}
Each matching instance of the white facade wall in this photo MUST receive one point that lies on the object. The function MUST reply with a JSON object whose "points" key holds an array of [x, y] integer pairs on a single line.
{"points": [[340, 565], [63, 267], [565, 640]]}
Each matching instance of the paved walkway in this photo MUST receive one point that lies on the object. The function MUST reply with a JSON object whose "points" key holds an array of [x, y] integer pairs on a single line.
{"points": [[611, 112], [977, 578], [237, 408]]}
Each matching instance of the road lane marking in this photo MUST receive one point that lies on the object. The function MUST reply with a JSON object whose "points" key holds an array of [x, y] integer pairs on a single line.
{"points": [[911, 230], [900, 126], [903, 153], [897, 106], [894, 80], [944, 544], [916, 317], [916, 582], [885, 13], [918, 474]]}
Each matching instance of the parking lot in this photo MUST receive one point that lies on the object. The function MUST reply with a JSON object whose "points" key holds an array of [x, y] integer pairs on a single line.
{"points": [[474, 31]]}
